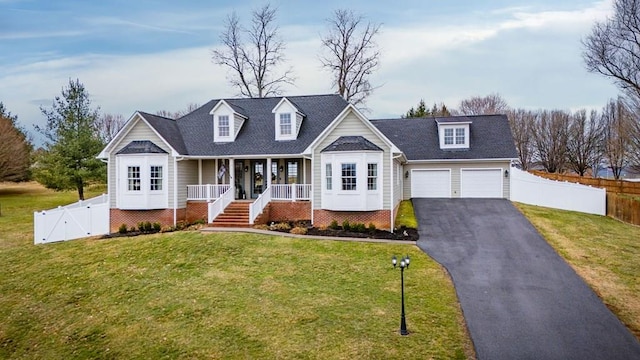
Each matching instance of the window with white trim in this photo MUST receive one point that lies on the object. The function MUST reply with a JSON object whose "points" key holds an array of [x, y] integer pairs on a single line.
{"points": [[448, 136], [155, 178], [223, 125], [372, 176], [349, 178], [328, 176], [285, 124], [460, 136], [133, 178]]}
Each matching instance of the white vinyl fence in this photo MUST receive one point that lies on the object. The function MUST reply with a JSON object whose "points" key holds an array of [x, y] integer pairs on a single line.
{"points": [[530, 189], [81, 219]]}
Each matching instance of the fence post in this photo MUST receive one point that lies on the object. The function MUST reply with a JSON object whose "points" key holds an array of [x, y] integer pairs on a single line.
{"points": [[293, 192]]}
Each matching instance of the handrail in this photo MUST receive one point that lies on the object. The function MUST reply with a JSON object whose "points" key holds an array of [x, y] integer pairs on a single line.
{"points": [[217, 207], [291, 192], [258, 206]]}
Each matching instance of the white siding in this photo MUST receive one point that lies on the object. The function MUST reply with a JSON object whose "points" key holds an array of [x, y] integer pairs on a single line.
{"points": [[397, 178], [455, 174], [187, 175], [351, 125], [139, 131]]}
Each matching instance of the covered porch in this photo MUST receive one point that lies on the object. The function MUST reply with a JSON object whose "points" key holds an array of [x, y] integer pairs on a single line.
{"points": [[259, 181]]}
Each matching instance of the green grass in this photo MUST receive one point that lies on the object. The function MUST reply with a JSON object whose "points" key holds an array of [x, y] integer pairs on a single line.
{"points": [[406, 217], [194, 295], [604, 251]]}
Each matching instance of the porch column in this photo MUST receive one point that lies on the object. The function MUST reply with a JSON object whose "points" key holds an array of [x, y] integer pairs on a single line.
{"points": [[268, 171], [217, 168], [304, 170], [232, 171], [199, 171]]}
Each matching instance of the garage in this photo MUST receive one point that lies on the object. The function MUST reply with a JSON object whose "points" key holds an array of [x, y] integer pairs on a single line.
{"points": [[481, 183], [431, 183]]}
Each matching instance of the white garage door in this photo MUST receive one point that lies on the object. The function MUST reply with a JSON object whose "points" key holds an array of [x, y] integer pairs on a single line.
{"points": [[481, 183], [431, 183]]}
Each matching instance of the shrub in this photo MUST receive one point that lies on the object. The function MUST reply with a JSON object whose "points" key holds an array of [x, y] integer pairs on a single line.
{"points": [[346, 226], [133, 229], [299, 230], [334, 225], [199, 222], [372, 227], [261, 227], [141, 226], [123, 229], [282, 226], [147, 227], [156, 226], [359, 227]]}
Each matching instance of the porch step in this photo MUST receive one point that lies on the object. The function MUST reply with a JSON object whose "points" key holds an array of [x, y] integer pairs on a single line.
{"points": [[235, 215]]}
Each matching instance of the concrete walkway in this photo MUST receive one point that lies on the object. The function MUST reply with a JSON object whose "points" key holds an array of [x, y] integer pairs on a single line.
{"points": [[520, 299]]}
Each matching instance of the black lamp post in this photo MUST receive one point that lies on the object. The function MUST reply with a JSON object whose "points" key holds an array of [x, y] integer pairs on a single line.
{"points": [[404, 263]]}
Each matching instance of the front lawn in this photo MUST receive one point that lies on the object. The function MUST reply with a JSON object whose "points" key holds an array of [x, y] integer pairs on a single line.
{"points": [[604, 251], [194, 295], [406, 217]]}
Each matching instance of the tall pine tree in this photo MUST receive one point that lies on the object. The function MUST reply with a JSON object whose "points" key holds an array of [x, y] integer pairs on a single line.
{"points": [[72, 143]]}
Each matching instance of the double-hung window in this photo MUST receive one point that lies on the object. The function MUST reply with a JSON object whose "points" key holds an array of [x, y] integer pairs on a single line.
{"points": [[285, 124], [448, 136], [328, 176], [155, 178], [133, 178], [349, 176], [460, 136], [372, 176], [223, 125]]}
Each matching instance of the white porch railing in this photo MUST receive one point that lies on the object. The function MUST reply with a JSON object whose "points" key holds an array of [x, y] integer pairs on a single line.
{"points": [[217, 207], [257, 206], [206, 192], [291, 192]]}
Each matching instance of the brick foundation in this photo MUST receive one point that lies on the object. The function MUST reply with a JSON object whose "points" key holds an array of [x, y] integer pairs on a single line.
{"points": [[380, 218], [132, 217], [289, 210], [197, 210]]}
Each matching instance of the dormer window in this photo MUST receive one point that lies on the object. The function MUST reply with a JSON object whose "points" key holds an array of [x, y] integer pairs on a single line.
{"points": [[227, 121], [223, 125], [285, 124], [288, 120], [454, 134]]}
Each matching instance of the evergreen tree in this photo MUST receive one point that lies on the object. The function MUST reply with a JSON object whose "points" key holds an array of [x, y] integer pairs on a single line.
{"points": [[72, 143]]}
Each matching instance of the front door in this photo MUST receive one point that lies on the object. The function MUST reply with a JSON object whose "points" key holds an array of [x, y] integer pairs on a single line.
{"points": [[258, 181], [239, 183]]}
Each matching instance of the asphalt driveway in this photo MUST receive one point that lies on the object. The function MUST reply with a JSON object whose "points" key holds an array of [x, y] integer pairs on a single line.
{"points": [[519, 298]]}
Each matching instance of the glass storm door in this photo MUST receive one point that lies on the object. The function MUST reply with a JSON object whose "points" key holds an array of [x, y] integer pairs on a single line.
{"points": [[239, 183], [258, 181]]}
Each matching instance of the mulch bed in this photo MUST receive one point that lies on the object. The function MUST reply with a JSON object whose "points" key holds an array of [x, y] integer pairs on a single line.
{"points": [[401, 233]]}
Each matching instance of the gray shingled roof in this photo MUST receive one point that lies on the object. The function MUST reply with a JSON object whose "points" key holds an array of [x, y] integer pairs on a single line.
{"points": [[168, 129], [490, 138], [141, 147], [257, 135], [351, 143]]}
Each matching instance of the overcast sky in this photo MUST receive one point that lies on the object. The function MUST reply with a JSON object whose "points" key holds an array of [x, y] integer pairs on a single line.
{"points": [[156, 55]]}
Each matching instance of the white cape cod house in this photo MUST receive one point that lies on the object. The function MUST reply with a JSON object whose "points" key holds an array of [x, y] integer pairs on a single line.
{"points": [[237, 162]]}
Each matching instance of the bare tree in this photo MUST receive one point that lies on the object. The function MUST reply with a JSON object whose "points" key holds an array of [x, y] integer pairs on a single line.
{"points": [[584, 145], [613, 47], [178, 114], [252, 55], [550, 139], [352, 54], [483, 105], [618, 125], [522, 123], [15, 149], [108, 126]]}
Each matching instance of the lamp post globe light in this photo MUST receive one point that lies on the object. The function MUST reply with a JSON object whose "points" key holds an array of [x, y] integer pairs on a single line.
{"points": [[404, 264]]}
